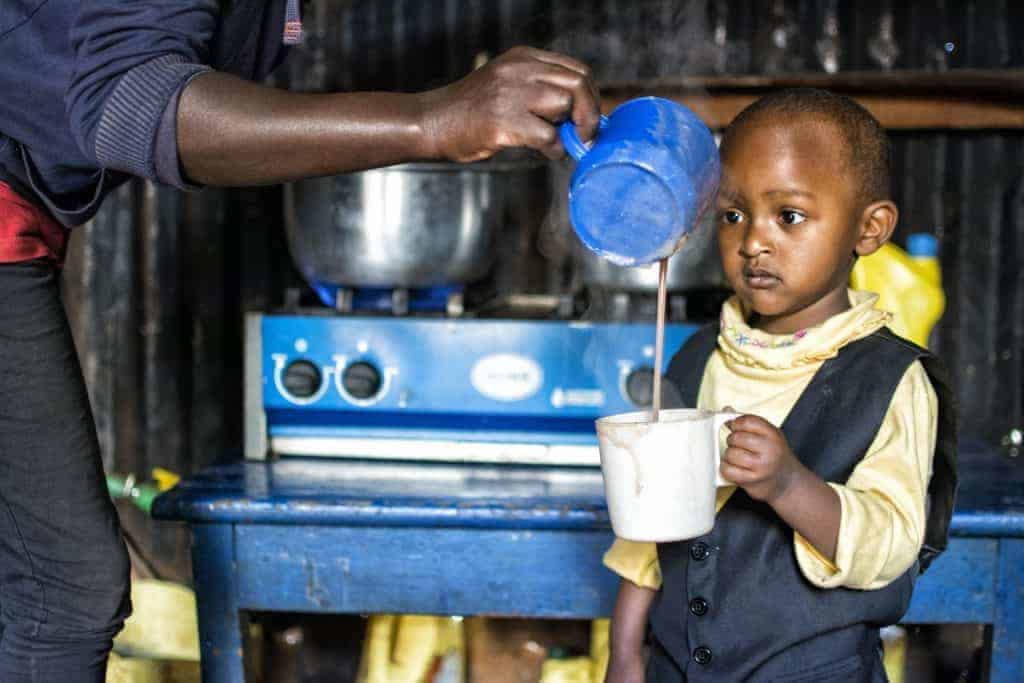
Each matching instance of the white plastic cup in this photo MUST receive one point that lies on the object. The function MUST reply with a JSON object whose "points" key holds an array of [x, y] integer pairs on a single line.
{"points": [[660, 479]]}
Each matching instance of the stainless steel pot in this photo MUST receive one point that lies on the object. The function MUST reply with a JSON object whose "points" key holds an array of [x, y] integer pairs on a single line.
{"points": [[695, 266], [406, 226]]}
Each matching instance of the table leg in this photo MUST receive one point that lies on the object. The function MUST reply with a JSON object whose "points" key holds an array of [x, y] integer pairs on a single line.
{"points": [[220, 622], [1008, 629]]}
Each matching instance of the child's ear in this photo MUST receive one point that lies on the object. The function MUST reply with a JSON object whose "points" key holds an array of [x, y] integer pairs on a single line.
{"points": [[876, 226]]}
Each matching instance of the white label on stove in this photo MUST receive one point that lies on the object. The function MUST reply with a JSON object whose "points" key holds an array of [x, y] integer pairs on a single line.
{"points": [[577, 398], [507, 377]]}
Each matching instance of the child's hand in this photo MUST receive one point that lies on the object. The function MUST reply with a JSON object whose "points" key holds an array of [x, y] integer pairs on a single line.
{"points": [[759, 459], [625, 669]]}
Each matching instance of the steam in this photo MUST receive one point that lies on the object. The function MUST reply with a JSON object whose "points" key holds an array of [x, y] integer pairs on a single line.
{"points": [[626, 41]]}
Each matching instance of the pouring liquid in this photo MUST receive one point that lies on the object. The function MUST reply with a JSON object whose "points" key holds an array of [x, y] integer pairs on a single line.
{"points": [[659, 339], [630, 443]]}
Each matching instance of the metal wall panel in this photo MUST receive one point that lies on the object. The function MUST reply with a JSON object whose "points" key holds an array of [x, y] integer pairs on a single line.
{"points": [[965, 188], [158, 282]]}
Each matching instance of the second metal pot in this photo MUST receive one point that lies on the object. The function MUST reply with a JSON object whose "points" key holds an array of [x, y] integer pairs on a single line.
{"points": [[695, 266]]}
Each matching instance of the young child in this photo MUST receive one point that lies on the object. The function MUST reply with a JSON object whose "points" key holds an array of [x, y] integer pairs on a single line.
{"points": [[843, 458]]}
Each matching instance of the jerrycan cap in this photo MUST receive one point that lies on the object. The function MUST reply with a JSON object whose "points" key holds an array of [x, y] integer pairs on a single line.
{"points": [[922, 244]]}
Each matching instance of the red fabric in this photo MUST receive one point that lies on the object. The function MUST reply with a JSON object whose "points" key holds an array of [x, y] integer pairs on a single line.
{"points": [[27, 232]]}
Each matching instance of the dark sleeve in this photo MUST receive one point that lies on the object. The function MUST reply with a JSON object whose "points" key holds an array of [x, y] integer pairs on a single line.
{"points": [[132, 60]]}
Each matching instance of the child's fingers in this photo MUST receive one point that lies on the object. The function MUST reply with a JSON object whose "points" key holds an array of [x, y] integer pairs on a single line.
{"points": [[737, 475], [751, 423], [751, 441], [740, 458]]}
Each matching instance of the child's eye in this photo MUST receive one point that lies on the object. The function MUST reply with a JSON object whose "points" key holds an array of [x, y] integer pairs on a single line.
{"points": [[731, 217], [790, 217]]}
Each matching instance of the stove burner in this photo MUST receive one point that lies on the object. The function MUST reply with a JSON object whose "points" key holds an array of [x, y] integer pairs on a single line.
{"points": [[396, 301], [592, 304]]}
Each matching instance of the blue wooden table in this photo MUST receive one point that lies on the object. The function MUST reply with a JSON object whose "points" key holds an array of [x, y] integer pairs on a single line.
{"points": [[353, 537]]}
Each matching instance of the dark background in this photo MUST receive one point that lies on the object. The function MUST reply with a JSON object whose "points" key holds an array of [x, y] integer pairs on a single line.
{"points": [[158, 283]]}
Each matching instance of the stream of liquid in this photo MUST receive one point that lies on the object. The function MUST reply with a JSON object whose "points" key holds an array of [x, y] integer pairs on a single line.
{"points": [[659, 339]]}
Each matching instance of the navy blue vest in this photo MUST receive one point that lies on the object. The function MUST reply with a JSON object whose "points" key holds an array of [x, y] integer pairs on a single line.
{"points": [[734, 605]]}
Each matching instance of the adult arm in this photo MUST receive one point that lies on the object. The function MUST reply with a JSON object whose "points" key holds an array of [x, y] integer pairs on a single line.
{"points": [[132, 60], [234, 132], [143, 100]]}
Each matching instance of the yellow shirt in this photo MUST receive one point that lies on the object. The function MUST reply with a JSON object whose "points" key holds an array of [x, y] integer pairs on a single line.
{"points": [[883, 502]]}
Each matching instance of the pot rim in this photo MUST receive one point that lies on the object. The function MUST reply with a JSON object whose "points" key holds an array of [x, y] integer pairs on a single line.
{"points": [[501, 165]]}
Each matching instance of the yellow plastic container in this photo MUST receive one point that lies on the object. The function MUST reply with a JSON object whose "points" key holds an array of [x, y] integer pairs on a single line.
{"points": [[163, 623], [908, 284], [599, 633], [136, 670], [894, 643], [413, 648], [572, 670]]}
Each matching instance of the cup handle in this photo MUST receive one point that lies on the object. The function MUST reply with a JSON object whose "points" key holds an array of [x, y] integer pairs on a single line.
{"points": [[576, 148], [718, 421]]}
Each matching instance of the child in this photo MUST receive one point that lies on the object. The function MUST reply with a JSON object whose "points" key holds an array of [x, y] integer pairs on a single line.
{"points": [[837, 490]]}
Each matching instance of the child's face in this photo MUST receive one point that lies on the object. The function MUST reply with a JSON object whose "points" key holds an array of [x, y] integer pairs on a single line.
{"points": [[788, 217]]}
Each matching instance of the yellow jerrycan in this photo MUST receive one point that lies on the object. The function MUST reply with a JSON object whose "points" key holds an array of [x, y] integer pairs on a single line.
{"points": [[908, 284]]}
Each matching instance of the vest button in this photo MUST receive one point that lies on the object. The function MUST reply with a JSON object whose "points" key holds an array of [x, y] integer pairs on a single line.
{"points": [[700, 551], [702, 655], [698, 607]]}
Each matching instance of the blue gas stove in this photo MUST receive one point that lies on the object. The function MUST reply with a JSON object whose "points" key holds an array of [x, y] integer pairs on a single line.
{"points": [[442, 389]]}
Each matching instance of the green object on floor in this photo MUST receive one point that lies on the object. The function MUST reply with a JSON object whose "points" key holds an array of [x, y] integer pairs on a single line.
{"points": [[142, 495]]}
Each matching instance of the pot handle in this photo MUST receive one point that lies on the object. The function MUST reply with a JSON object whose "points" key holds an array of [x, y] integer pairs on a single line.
{"points": [[576, 148], [717, 422]]}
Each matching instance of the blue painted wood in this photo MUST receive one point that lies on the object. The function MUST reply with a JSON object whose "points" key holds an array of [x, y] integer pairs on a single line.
{"points": [[347, 493], [454, 571], [957, 588], [370, 570], [335, 536], [220, 622], [546, 574], [1007, 663]]}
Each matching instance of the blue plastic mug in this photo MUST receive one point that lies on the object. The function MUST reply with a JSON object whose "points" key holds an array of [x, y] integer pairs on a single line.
{"points": [[644, 182]]}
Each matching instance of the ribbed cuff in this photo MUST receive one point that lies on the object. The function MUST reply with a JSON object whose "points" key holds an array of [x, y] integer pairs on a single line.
{"points": [[126, 139]]}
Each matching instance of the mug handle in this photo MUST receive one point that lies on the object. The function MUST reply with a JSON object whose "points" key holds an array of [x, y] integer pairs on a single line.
{"points": [[718, 421], [576, 148]]}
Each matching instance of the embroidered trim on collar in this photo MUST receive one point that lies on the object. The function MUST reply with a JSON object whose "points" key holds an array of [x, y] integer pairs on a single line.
{"points": [[741, 338]]}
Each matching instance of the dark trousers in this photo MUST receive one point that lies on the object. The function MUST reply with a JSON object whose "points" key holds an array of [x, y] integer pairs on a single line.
{"points": [[63, 563]]}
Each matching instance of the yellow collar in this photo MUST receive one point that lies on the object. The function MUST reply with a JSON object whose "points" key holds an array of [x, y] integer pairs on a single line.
{"points": [[747, 346]]}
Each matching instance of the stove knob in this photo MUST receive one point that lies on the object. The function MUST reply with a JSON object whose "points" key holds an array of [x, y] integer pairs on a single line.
{"points": [[361, 380], [640, 386], [302, 379]]}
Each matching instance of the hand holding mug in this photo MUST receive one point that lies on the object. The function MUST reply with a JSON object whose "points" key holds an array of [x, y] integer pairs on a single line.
{"points": [[759, 459], [515, 100]]}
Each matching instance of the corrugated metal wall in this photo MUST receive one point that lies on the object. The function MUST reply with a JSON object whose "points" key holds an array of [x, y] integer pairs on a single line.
{"points": [[158, 282]]}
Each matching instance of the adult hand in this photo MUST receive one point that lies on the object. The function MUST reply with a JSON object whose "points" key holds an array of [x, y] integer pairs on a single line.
{"points": [[515, 100], [759, 459]]}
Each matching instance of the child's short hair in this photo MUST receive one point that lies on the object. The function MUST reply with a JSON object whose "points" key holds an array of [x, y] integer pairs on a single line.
{"points": [[866, 144]]}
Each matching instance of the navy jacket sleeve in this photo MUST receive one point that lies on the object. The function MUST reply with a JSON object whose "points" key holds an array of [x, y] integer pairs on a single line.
{"points": [[132, 60]]}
